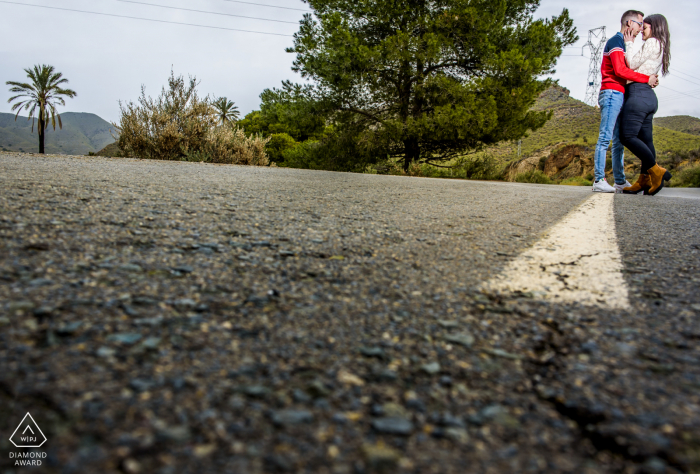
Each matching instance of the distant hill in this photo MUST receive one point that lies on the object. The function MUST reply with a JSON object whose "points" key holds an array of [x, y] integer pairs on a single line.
{"points": [[680, 123], [81, 133], [575, 122]]}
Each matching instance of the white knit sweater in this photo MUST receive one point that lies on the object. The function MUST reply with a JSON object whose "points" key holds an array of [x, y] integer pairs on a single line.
{"points": [[647, 60]]}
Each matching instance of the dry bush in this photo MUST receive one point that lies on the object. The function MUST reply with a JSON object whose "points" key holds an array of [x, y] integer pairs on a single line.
{"points": [[179, 125], [230, 145]]}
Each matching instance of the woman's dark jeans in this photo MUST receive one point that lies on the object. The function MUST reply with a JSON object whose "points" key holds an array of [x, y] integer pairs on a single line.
{"points": [[637, 123]]}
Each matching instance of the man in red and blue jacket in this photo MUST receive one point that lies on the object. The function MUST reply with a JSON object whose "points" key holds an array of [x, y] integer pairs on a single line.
{"points": [[611, 98]]}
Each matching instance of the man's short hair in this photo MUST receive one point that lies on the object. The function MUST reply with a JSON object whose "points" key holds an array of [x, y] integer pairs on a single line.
{"points": [[630, 15]]}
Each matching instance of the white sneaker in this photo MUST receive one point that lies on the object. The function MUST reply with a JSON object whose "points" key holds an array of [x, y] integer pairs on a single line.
{"points": [[620, 187], [602, 186]]}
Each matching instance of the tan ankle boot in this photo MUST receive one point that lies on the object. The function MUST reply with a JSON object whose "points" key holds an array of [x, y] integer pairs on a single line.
{"points": [[657, 175], [643, 183]]}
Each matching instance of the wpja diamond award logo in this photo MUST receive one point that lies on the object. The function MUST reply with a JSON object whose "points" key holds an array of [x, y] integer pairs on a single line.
{"points": [[28, 435]]}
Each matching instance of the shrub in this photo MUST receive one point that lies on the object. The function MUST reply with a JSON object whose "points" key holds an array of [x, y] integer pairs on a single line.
{"points": [[169, 127], [304, 155], [674, 159], [197, 156], [333, 152], [484, 167], [278, 144], [687, 177], [230, 145], [179, 125], [576, 181], [533, 176]]}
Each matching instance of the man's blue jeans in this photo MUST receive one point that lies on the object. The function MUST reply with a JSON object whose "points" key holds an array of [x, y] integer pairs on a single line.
{"points": [[610, 103]]}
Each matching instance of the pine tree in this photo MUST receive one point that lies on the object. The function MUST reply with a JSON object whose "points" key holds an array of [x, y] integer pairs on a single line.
{"points": [[429, 80]]}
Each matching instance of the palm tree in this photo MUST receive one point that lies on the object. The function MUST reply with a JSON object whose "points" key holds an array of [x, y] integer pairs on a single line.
{"points": [[226, 111], [43, 91]]}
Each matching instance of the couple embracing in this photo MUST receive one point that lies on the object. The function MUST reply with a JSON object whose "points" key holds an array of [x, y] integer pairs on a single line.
{"points": [[628, 103]]}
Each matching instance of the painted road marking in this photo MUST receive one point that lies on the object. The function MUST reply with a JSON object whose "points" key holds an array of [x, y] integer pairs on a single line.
{"points": [[578, 260]]}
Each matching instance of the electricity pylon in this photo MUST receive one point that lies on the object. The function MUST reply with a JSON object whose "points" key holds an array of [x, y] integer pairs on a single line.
{"points": [[596, 43]]}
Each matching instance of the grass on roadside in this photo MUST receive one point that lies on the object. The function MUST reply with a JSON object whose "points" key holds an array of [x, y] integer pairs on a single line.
{"points": [[534, 177], [576, 181], [687, 177]]}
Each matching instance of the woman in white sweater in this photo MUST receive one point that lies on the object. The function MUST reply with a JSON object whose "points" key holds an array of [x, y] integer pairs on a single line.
{"points": [[637, 116]]}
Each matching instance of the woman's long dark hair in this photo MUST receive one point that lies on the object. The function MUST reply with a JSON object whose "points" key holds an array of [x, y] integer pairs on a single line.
{"points": [[659, 30]]}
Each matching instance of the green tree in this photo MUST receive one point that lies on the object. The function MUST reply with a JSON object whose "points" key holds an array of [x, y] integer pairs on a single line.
{"points": [[253, 124], [226, 110], [44, 92], [290, 109], [429, 80], [278, 144]]}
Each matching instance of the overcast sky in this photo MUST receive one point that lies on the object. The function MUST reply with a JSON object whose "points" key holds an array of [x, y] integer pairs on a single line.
{"points": [[108, 58]]}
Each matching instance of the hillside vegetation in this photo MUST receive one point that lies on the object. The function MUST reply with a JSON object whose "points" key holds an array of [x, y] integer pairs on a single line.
{"points": [[563, 150], [680, 123], [575, 122], [82, 133]]}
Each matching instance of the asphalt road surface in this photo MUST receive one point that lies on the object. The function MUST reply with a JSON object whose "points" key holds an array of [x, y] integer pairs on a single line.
{"points": [[162, 317]]}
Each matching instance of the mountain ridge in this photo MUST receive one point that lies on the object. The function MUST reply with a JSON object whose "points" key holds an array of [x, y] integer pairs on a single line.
{"points": [[680, 123], [82, 133]]}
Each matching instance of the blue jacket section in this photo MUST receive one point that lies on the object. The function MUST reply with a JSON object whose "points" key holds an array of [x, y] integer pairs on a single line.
{"points": [[616, 42]]}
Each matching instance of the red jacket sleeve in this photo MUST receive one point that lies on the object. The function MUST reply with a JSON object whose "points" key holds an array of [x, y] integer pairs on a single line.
{"points": [[622, 71]]}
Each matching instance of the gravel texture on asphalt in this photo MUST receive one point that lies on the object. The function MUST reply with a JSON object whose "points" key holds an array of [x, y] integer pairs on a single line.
{"points": [[164, 317]]}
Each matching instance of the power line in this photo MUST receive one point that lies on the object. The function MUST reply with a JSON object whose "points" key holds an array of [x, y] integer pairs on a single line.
{"points": [[675, 74], [666, 101], [686, 74], [679, 92], [686, 80], [145, 19], [271, 6], [202, 11], [686, 93], [675, 95]]}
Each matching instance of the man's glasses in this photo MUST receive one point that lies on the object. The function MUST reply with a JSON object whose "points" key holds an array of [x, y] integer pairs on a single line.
{"points": [[638, 22]]}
